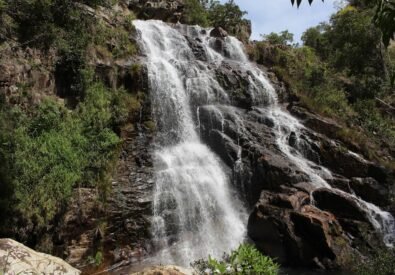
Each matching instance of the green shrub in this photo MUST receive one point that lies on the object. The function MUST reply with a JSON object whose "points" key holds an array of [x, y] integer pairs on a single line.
{"points": [[195, 13], [382, 263], [244, 260], [283, 38], [115, 39], [228, 16], [48, 152]]}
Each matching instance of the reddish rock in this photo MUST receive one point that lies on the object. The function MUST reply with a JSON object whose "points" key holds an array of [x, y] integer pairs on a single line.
{"points": [[286, 227]]}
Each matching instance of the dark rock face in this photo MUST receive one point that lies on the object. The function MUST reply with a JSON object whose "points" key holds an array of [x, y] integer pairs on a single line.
{"points": [[168, 11], [262, 165], [21, 68], [370, 190], [284, 223], [235, 82], [341, 205], [130, 201], [218, 32], [285, 226], [122, 228]]}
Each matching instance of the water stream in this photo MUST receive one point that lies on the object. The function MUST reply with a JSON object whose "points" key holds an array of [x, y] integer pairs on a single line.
{"points": [[196, 212]]}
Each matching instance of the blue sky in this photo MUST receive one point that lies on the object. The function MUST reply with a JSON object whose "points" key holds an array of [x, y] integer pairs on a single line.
{"points": [[278, 15]]}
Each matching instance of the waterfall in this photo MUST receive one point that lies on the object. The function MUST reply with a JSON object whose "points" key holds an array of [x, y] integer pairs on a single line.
{"points": [[196, 212]]}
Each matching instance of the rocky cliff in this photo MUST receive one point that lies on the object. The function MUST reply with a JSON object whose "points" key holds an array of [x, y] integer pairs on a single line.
{"points": [[290, 220]]}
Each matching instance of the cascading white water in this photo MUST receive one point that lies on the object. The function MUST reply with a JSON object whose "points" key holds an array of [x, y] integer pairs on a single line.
{"points": [[286, 124], [195, 212]]}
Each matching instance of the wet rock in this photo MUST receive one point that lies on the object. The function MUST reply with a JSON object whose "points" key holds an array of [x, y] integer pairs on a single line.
{"points": [[197, 48], [218, 32], [370, 190], [15, 258], [262, 165], [235, 82], [286, 227], [342, 205], [340, 182], [218, 45], [319, 124]]}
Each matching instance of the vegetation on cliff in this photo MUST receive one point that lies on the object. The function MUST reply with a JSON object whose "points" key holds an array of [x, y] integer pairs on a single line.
{"points": [[63, 140], [206, 13], [344, 72], [381, 263]]}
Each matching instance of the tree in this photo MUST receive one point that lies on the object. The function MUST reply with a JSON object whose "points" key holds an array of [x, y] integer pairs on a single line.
{"points": [[227, 16], [282, 38], [314, 38], [384, 17], [195, 13]]}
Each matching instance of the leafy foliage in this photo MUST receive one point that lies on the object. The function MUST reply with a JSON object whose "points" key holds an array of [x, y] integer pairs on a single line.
{"points": [[283, 38], [341, 72], [228, 16], [53, 150], [384, 17], [382, 263], [47, 150], [195, 13], [244, 260]]}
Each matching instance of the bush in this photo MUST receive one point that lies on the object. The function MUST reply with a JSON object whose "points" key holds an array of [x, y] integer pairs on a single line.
{"points": [[283, 38], [195, 13], [228, 16], [244, 260], [380, 264], [115, 39], [46, 153]]}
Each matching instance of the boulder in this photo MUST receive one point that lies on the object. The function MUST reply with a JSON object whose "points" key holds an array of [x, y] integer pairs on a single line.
{"points": [[234, 81], [285, 226], [370, 190], [319, 124], [15, 258], [218, 32], [341, 204]]}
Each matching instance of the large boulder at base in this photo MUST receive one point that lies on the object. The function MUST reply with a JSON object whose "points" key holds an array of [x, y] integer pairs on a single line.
{"points": [[164, 270], [286, 227], [352, 215], [15, 258]]}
